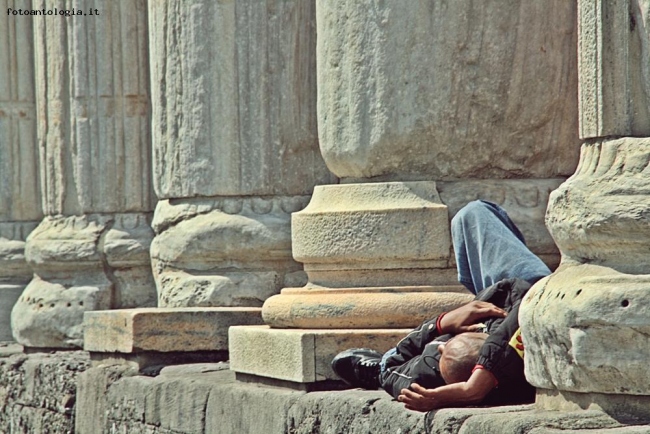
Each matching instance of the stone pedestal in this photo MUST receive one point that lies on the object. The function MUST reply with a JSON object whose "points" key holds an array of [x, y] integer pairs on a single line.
{"points": [[20, 200], [91, 250], [586, 326], [354, 240], [418, 115]]}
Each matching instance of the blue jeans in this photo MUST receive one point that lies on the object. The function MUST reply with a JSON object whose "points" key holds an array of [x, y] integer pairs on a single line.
{"points": [[489, 248]]}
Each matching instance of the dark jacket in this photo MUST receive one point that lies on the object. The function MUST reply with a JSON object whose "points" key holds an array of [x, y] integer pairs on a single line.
{"points": [[502, 353], [417, 360]]}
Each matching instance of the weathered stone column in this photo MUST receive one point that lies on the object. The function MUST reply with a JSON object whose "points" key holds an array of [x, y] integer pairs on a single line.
{"points": [[423, 107], [235, 153], [90, 251], [586, 327], [20, 205], [235, 146]]}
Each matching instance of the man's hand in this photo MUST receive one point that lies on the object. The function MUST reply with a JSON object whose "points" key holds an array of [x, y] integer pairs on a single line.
{"points": [[464, 318], [470, 392]]}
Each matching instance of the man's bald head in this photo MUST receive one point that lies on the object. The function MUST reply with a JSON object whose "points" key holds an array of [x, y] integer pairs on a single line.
{"points": [[459, 356]]}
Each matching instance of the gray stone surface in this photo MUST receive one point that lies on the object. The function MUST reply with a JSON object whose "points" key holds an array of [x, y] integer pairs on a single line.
{"points": [[586, 326], [82, 263], [20, 187], [247, 69], [93, 135], [92, 82], [411, 90], [233, 251], [205, 398], [38, 392], [614, 68], [57, 393], [523, 422], [231, 170], [186, 400]]}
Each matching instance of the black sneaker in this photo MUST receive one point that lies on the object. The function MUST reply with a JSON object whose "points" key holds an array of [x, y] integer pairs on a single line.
{"points": [[358, 367]]}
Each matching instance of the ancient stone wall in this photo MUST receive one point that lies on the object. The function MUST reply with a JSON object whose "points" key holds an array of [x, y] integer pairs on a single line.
{"points": [[38, 392]]}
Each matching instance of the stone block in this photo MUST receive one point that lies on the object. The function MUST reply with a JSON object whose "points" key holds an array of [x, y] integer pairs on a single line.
{"points": [[300, 356], [163, 330], [524, 422], [451, 90], [451, 420], [38, 391], [388, 233]]}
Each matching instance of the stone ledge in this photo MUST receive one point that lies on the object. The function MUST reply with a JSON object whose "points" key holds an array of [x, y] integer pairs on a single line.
{"points": [[300, 355], [164, 329], [39, 396], [187, 399]]}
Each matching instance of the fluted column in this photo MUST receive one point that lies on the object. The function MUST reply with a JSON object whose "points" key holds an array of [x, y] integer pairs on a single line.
{"points": [[422, 107], [586, 326], [20, 205], [90, 251], [235, 147]]}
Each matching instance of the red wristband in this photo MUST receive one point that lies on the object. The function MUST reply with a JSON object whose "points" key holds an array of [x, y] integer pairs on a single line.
{"points": [[438, 322], [477, 367]]}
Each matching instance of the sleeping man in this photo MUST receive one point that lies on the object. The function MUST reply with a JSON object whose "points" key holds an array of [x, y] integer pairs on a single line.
{"points": [[473, 354]]}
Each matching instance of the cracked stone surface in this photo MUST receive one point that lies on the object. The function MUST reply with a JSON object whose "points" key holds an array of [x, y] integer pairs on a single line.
{"points": [[38, 391], [59, 393]]}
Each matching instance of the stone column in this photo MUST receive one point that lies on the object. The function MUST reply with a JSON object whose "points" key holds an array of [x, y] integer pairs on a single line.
{"points": [[235, 153], [423, 107], [235, 146], [90, 252], [586, 326], [20, 205]]}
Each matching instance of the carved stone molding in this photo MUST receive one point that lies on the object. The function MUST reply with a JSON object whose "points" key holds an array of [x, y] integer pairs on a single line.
{"points": [[82, 263], [225, 251], [586, 326]]}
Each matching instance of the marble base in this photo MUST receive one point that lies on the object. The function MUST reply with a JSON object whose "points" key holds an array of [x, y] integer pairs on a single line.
{"points": [[300, 355], [166, 330]]}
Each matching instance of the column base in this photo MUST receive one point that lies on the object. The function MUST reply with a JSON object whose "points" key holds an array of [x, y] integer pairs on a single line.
{"points": [[623, 408], [163, 335], [300, 355]]}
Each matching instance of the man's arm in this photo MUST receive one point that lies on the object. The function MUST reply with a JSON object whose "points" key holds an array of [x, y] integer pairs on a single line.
{"points": [[469, 392], [459, 320], [501, 365]]}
